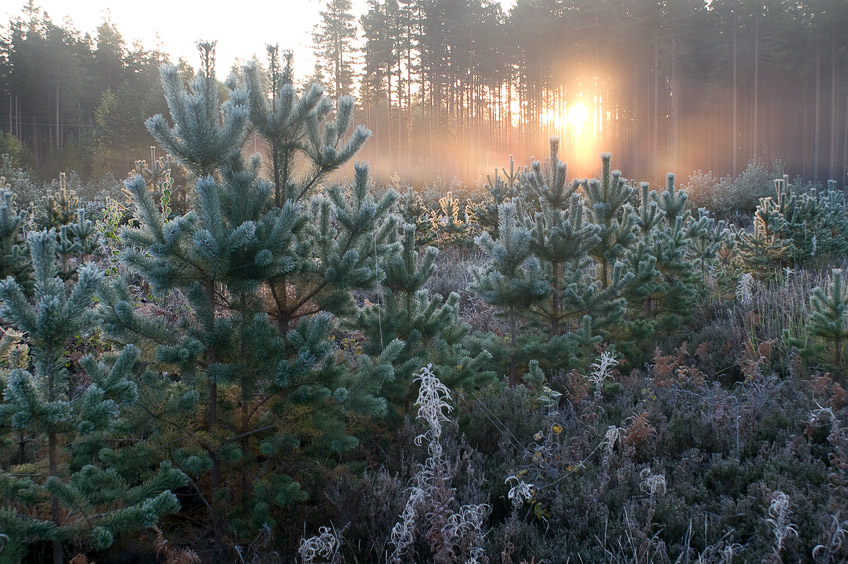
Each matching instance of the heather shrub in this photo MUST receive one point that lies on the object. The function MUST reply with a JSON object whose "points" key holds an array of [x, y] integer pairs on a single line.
{"points": [[732, 195], [673, 465], [701, 189]]}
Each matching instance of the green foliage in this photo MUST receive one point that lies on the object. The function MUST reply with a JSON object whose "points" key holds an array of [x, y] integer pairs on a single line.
{"points": [[19, 181], [46, 405], [664, 287], [13, 250], [58, 206], [451, 222], [413, 211], [205, 133], [500, 190], [299, 127], [827, 320], [608, 203], [795, 229], [426, 327], [556, 272], [333, 39], [258, 398], [160, 177], [512, 280], [16, 152]]}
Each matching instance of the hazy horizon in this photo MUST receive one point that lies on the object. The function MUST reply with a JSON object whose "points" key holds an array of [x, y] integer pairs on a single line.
{"points": [[240, 34]]}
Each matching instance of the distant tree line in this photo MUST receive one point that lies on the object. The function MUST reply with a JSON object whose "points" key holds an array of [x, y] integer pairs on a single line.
{"points": [[457, 85], [75, 100], [452, 87]]}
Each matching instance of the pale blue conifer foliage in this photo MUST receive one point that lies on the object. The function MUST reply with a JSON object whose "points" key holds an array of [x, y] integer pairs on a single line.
{"points": [[300, 126], [89, 504], [205, 133]]}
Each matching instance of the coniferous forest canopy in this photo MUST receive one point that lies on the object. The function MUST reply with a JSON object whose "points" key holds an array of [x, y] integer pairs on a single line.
{"points": [[451, 88], [249, 319]]}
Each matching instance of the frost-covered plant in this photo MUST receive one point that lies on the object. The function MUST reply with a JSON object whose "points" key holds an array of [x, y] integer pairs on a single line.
{"points": [[451, 535], [520, 492], [323, 547], [602, 368], [652, 484], [701, 190], [744, 290], [835, 539], [731, 195], [613, 435], [779, 519]]}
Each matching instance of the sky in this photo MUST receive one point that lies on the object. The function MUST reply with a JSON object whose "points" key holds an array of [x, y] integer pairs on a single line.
{"points": [[242, 29]]}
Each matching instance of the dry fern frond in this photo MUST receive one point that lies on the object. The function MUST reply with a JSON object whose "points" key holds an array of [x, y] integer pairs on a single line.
{"points": [[171, 555], [639, 430]]}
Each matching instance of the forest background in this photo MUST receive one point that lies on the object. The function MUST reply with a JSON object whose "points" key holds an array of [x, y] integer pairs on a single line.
{"points": [[451, 88]]}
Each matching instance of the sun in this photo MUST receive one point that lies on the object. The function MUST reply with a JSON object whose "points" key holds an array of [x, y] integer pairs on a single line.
{"points": [[578, 117]]}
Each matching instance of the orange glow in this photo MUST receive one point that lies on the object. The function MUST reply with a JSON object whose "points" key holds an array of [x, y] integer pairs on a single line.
{"points": [[582, 135], [578, 118]]}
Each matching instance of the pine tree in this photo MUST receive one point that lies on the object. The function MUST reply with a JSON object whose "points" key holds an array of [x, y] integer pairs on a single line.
{"points": [[255, 382], [304, 128], [767, 248], [563, 310], [671, 247], [206, 133], [333, 39], [89, 503], [451, 223], [500, 190], [412, 210], [512, 280], [427, 325], [547, 183], [291, 126], [708, 237], [608, 203], [793, 229], [664, 262], [565, 240], [58, 206], [828, 316], [560, 239], [13, 250]]}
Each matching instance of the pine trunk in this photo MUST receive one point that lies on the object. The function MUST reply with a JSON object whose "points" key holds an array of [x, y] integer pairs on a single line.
{"points": [[555, 301], [817, 129], [211, 427], [756, 80], [55, 516], [735, 138], [53, 465]]}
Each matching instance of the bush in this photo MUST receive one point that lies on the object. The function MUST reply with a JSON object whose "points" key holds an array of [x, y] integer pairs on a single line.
{"points": [[729, 196]]}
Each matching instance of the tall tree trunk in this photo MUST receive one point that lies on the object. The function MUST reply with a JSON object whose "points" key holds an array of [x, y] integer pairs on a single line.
{"points": [[844, 173], [211, 427], [675, 106], [756, 81], [833, 115], [735, 139], [18, 112], [817, 128], [389, 107], [52, 463], [655, 168]]}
